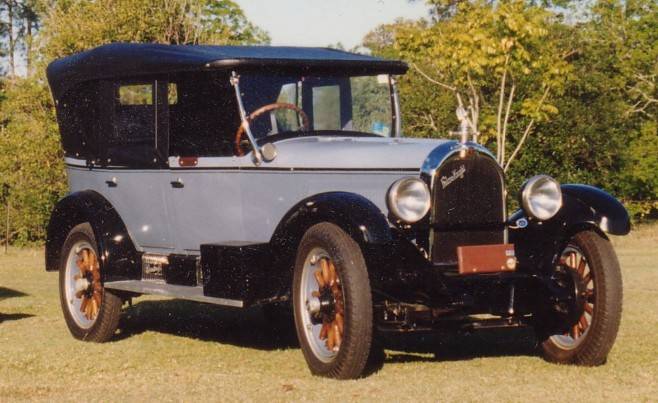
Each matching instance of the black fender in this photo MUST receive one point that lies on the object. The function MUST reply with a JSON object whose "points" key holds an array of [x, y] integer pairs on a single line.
{"points": [[119, 260], [583, 207], [605, 211], [355, 214]]}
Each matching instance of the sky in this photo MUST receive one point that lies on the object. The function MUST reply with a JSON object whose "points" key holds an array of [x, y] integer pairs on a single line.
{"points": [[326, 22]]}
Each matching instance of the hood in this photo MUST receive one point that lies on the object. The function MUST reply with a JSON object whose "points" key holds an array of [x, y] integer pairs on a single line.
{"points": [[353, 152]]}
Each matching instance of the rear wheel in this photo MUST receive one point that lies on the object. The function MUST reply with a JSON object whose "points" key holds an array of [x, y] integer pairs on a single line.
{"points": [[332, 303], [594, 267], [91, 312]]}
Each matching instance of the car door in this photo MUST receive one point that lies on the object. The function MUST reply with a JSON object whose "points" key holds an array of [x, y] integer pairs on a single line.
{"points": [[133, 170], [203, 189]]}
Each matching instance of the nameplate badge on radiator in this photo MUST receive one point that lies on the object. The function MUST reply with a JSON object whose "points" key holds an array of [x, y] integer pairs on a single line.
{"points": [[478, 259]]}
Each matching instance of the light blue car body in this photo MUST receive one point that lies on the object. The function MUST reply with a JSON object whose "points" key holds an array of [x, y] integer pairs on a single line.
{"points": [[225, 199]]}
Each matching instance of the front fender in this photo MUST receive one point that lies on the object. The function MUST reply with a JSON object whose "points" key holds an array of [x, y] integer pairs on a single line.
{"points": [[355, 214], [119, 260], [605, 211], [539, 244]]}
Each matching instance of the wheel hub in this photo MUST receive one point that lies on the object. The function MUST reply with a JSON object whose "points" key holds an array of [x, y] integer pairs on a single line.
{"points": [[82, 285], [324, 306]]}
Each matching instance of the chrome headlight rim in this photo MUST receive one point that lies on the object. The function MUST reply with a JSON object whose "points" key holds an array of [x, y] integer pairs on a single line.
{"points": [[401, 203], [537, 187]]}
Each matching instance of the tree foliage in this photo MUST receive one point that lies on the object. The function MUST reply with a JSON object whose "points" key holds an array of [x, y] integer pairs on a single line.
{"points": [[498, 61]]}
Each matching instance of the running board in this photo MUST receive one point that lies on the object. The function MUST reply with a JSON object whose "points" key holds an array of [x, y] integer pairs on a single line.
{"points": [[191, 293]]}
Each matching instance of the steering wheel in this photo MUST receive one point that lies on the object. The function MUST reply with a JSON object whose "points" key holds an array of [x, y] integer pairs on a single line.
{"points": [[263, 109]]}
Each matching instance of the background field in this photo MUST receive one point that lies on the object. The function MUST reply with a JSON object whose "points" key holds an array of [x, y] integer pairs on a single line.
{"points": [[174, 350]]}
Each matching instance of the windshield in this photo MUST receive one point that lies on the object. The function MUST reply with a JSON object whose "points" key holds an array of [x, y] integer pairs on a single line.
{"points": [[298, 104]]}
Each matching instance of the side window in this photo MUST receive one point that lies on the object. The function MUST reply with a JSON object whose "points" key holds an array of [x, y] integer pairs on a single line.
{"points": [[134, 115], [135, 124], [203, 115]]}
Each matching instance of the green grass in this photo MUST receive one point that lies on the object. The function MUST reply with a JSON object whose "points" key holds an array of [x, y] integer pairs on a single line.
{"points": [[175, 350]]}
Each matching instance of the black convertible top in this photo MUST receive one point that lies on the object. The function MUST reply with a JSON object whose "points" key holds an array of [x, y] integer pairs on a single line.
{"points": [[118, 60]]}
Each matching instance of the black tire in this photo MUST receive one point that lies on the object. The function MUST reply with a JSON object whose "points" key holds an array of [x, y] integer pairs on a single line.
{"points": [[351, 359], [601, 333], [107, 319]]}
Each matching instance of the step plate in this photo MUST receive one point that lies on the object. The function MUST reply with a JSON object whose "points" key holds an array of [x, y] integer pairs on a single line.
{"points": [[169, 290]]}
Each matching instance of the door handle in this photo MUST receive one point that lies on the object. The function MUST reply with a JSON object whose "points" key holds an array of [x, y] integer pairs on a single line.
{"points": [[177, 184], [112, 182]]}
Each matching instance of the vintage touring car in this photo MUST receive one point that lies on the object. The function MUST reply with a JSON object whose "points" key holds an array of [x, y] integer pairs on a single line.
{"points": [[245, 176]]}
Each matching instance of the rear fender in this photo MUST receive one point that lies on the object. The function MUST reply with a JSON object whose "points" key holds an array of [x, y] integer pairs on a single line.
{"points": [[119, 260]]}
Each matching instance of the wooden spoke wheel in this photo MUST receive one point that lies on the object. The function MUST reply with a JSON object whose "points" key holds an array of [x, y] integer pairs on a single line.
{"points": [[325, 305], [83, 288], [575, 263], [595, 315], [91, 313], [332, 303]]}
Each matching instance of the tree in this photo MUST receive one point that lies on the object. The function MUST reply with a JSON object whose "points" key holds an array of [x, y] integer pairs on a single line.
{"points": [[497, 59], [18, 21]]}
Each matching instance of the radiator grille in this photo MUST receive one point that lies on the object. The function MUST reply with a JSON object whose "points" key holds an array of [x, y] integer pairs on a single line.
{"points": [[467, 205]]}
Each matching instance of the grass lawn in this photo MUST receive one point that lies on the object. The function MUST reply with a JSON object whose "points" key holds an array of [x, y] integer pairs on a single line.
{"points": [[176, 350]]}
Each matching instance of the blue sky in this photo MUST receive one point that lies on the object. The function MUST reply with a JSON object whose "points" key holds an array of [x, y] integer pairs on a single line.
{"points": [[325, 22]]}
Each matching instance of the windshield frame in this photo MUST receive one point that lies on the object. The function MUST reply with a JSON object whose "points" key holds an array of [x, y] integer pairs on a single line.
{"points": [[396, 118]]}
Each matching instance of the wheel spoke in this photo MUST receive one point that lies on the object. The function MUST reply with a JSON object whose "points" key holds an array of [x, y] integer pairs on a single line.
{"points": [[589, 309], [81, 265], [583, 323], [588, 278], [326, 276], [83, 304], [324, 330], [97, 298], [335, 280], [338, 338], [581, 266], [94, 308], [318, 278], [331, 338], [340, 322], [572, 260]]}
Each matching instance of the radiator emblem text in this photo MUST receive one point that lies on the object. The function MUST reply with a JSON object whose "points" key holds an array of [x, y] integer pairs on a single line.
{"points": [[456, 174]]}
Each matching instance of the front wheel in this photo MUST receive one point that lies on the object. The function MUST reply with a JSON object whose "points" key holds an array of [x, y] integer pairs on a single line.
{"points": [[332, 303], [592, 264]]}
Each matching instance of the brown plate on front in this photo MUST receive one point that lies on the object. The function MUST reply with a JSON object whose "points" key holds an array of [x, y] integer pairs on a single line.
{"points": [[478, 259]]}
